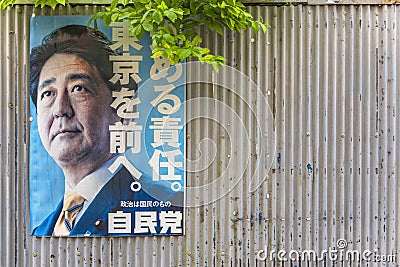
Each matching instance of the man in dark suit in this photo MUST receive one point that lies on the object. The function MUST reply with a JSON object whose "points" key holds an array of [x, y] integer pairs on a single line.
{"points": [[70, 88]]}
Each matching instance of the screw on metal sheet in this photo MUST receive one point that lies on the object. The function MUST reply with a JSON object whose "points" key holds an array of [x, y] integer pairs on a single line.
{"points": [[229, 124], [308, 219], [188, 136], [120, 254], [78, 253], [308, 133], [223, 253], [268, 196], [11, 32], [31, 119], [34, 254], [252, 40], [235, 213], [342, 135], [189, 253], [222, 136], [154, 253], [376, 135], [282, 219], [268, 92], [11, 105], [229, 156], [33, 15]]}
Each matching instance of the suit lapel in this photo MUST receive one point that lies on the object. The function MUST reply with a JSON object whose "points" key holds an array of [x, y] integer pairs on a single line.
{"points": [[47, 226], [95, 219]]}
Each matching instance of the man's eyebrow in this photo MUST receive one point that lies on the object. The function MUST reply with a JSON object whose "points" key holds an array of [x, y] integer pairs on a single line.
{"points": [[46, 83], [70, 77], [80, 76], [90, 82]]}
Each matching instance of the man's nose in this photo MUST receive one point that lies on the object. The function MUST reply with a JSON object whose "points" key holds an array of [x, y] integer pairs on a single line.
{"points": [[62, 106]]}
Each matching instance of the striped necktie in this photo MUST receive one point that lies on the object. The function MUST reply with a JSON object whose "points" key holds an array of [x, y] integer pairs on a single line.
{"points": [[73, 203]]}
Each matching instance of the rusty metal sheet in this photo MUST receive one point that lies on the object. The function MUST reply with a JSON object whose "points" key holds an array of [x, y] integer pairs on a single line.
{"points": [[330, 76]]}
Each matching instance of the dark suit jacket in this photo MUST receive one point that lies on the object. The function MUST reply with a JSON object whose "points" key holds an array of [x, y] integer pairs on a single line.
{"points": [[94, 221]]}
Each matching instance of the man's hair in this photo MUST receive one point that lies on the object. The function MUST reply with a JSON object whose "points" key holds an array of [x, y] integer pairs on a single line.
{"points": [[91, 45]]}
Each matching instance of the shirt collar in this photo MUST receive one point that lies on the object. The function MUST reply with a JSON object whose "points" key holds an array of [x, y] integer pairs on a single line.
{"points": [[90, 185]]}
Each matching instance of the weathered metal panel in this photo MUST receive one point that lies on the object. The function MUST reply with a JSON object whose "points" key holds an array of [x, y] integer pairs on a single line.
{"points": [[330, 75]]}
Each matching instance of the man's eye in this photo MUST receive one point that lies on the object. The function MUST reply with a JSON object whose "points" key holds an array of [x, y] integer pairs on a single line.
{"points": [[78, 88], [46, 94]]}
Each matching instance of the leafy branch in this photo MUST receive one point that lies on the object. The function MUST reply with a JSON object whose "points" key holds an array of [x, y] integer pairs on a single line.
{"points": [[42, 3], [172, 24]]}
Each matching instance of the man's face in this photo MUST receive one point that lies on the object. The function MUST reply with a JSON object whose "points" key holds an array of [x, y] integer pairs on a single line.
{"points": [[74, 111]]}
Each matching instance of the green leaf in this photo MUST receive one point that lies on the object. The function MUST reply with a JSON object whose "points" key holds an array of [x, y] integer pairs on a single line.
{"points": [[123, 15], [157, 16], [169, 38], [114, 17], [147, 26], [205, 51], [192, 6], [186, 11], [181, 37], [263, 27], [52, 3], [170, 15], [184, 53], [197, 40], [162, 6], [138, 31], [113, 4], [179, 12], [157, 54], [147, 13], [216, 27]]}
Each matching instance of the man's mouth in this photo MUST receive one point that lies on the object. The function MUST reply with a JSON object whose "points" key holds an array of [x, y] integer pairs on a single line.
{"points": [[65, 132]]}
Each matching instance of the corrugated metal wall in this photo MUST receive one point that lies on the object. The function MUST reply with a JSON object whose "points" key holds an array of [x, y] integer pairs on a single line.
{"points": [[330, 75]]}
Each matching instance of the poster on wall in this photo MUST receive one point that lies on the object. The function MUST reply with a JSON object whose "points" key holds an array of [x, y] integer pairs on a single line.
{"points": [[106, 132]]}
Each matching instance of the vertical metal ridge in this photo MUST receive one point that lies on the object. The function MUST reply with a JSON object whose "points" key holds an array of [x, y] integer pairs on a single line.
{"points": [[357, 126], [3, 133], [391, 114], [316, 132], [396, 58], [366, 125], [10, 163], [307, 153], [300, 206], [382, 128], [347, 83], [24, 240], [374, 161], [274, 180], [332, 115]]}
